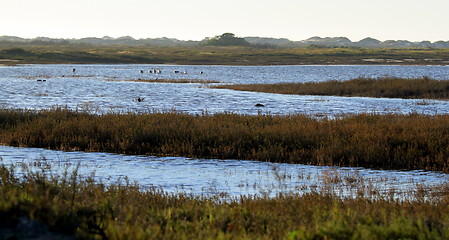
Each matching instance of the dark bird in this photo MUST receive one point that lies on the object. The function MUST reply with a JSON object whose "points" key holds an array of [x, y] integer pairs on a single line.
{"points": [[259, 105]]}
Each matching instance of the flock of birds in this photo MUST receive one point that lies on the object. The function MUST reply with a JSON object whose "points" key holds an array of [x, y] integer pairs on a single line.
{"points": [[152, 71], [159, 71]]}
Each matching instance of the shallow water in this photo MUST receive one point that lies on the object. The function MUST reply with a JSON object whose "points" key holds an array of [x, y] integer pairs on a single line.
{"points": [[105, 88], [213, 176]]}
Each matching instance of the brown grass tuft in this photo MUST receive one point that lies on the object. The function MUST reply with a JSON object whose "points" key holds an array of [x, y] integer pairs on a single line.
{"points": [[360, 87]]}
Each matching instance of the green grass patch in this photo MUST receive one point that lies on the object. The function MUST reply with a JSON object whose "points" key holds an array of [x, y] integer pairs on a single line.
{"points": [[360, 87], [391, 141]]}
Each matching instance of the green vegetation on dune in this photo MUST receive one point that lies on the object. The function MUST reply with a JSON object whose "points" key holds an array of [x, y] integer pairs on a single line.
{"points": [[219, 55], [378, 141], [227, 39], [361, 87]]}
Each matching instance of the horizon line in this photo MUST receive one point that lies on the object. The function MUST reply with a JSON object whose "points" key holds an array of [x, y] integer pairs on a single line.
{"points": [[184, 40]]}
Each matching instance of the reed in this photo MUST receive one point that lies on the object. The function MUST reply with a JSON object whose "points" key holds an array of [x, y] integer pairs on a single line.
{"points": [[360, 87], [37, 205], [391, 141]]}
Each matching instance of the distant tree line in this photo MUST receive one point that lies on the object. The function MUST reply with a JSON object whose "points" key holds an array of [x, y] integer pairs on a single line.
{"points": [[227, 39]]}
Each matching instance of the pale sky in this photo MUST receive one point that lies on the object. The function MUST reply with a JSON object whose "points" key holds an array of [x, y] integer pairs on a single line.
{"points": [[413, 20]]}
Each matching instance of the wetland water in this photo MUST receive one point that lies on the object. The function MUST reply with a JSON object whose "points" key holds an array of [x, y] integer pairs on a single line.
{"points": [[214, 176], [106, 88]]}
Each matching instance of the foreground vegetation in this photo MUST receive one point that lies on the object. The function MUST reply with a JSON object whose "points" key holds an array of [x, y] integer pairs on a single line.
{"points": [[360, 87], [36, 205], [378, 141], [208, 55]]}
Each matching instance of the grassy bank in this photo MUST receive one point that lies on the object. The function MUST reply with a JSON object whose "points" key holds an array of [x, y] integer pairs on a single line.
{"points": [[39, 206], [361, 87], [378, 141], [219, 55]]}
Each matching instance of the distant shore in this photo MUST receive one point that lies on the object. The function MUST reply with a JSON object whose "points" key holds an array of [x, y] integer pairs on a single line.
{"points": [[207, 55]]}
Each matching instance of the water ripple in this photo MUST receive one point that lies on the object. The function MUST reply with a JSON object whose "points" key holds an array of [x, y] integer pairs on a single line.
{"points": [[91, 89], [199, 176]]}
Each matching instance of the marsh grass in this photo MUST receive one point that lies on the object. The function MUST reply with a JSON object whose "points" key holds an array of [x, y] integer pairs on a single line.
{"points": [[72, 206], [360, 87], [391, 141]]}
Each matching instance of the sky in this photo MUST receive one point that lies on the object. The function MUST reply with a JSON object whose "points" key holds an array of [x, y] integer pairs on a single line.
{"points": [[413, 20]]}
